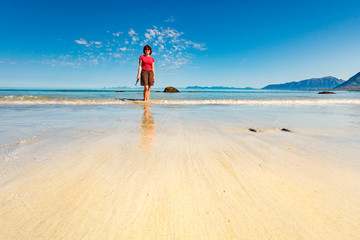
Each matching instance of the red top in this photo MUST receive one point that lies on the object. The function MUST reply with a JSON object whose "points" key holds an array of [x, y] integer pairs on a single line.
{"points": [[146, 62]]}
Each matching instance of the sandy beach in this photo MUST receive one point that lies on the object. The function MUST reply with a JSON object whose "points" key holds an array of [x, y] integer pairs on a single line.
{"points": [[180, 172]]}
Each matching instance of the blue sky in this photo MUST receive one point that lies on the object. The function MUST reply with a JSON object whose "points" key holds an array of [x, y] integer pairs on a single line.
{"points": [[95, 44]]}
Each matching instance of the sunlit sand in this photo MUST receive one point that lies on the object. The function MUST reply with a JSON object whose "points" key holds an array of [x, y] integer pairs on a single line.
{"points": [[176, 176]]}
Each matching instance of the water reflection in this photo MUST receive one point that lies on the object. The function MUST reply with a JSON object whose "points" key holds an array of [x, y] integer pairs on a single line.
{"points": [[147, 129]]}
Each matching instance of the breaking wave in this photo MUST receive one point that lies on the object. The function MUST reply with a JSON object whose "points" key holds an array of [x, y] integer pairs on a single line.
{"points": [[44, 100]]}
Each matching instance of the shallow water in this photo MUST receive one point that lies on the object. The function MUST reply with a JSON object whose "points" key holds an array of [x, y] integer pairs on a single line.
{"points": [[180, 171], [185, 94]]}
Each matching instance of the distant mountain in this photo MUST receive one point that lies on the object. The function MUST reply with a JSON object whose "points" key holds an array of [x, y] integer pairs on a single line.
{"points": [[313, 83], [352, 83], [219, 87]]}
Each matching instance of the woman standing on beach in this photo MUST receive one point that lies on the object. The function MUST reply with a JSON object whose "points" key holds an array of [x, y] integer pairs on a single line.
{"points": [[146, 66]]}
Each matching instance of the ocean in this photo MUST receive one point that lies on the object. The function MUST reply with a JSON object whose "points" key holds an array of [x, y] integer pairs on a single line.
{"points": [[102, 164], [186, 96]]}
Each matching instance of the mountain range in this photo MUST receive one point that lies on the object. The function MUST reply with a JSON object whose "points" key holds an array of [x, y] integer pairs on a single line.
{"points": [[307, 84], [352, 84], [218, 87]]}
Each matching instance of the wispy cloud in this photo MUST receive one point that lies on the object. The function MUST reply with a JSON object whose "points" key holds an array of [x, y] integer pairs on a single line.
{"points": [[170, 49], [10, 62], [196, 45], [133, 35], [81, 41], [170, 19], [63, 60], [117, 34]]}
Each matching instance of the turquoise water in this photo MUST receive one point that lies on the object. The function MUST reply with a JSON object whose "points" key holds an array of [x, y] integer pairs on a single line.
{"points": [[185, 94], [37, 123], [26, 115]]}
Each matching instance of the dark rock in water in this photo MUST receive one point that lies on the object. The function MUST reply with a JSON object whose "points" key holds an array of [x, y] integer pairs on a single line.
{"points": [[119, 91], [157, 91], [252, 130], [171, 90], [326, 92], [285, 130]]}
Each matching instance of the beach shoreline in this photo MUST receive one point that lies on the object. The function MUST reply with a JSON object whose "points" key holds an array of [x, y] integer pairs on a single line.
{"points": [[180, 172]]}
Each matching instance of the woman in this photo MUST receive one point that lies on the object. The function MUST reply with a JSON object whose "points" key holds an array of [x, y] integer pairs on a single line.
{"points": [[146, 65]]}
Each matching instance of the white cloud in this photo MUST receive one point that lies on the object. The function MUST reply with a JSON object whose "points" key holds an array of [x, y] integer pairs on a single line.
{"points": [[94, 61], [170, 49], [132, 32], [117, 34], [81, 41], [196, 45], [176, 50], [170, 19], [133, 35], [60, 62], [150, 34], [172, 33]]}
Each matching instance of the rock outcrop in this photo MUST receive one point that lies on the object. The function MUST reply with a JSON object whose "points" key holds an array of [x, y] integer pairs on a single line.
{"points": [[326, 92], [171, 90]]}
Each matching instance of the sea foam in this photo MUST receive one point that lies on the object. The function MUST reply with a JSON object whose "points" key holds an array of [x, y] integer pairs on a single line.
{"points": [[45, 100]]}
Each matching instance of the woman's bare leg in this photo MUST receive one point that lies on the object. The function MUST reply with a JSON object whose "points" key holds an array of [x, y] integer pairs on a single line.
{"points": [[146, 92], [148, 95]]}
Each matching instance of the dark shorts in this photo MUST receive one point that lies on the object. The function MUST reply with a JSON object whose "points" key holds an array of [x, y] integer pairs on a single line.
{"points": [[147, 77]]}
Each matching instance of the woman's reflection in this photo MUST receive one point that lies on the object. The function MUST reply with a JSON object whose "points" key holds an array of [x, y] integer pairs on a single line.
{"points": [[147, 129]]}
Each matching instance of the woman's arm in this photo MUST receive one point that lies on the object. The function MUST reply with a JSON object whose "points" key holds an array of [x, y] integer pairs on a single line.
{"points": [[139, 69], [153, 68]]}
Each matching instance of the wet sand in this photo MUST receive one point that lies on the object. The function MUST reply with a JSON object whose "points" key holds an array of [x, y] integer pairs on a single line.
{"points": [[182, 176]]}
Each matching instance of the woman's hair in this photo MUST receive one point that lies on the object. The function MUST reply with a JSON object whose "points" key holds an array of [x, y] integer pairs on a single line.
{"points": [[147, 47]]}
